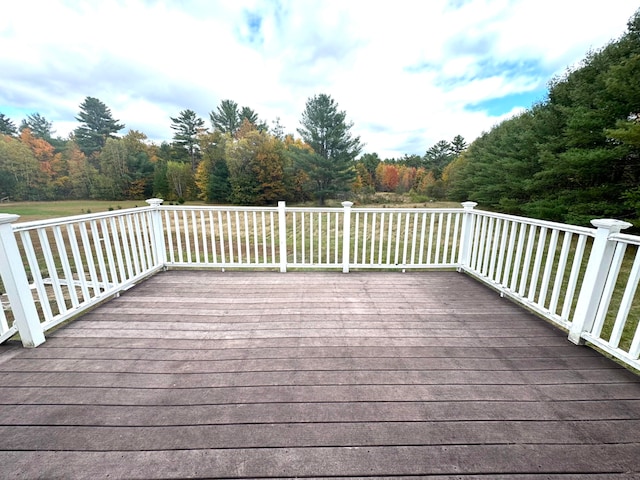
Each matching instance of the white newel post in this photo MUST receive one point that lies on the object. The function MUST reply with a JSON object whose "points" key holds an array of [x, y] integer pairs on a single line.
{"points": [[466, 236], [16, 284], [158, 231], [595, 277], [346, 236], [282, 231]]}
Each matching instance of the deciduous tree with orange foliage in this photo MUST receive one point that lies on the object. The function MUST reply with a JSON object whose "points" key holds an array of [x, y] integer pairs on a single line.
{"points": [[387, 177], [48, 160]]}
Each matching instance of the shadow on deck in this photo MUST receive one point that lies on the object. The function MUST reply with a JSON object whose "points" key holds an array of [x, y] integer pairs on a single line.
{"points": [[246, 375]]}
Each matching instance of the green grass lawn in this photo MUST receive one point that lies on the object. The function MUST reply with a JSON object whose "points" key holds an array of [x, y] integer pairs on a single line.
{"points": [[40, 210]]}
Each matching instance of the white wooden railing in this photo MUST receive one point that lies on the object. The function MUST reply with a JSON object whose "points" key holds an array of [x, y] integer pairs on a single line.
{"points": [[54, 269], [539, 264], [220, 237], [582, 279], [402, 238]]}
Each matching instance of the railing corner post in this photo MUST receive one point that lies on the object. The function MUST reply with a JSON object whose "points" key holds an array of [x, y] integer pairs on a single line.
{"points": [[158, 231], [16, 284], [595, 277], [282, 231], [466, 236], [346, 236]]}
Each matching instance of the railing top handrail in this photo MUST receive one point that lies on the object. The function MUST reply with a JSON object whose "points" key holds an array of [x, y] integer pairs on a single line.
{"points": [[541, 223], [315, 209], [625, 238], [376, 209], [407, 210], [33, 224], [231, 208], [21, 226]]}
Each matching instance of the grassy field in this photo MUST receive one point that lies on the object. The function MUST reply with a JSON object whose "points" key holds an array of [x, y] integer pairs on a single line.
{"points": [[40, 210]]}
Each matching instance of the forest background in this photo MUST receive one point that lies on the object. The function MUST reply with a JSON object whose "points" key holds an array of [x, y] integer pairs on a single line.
{"points": [[572, 157]]}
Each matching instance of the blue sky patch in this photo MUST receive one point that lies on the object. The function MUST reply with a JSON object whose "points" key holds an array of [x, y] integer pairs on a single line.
{"points": [[422, 67], [511, 69], [456, 4], [490, 68], [499, 106], [253, 25], [16, 113]]}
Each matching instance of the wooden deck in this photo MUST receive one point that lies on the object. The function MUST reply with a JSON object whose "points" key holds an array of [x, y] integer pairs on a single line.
{"points": [[248, 375]]}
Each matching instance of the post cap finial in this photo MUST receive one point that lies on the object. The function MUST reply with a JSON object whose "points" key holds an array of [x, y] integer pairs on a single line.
{"points": [[611, 224], [154, 202], [8, 218]]}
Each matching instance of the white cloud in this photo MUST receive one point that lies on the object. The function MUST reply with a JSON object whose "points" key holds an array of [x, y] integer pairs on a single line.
{"points": [[404, 71]]}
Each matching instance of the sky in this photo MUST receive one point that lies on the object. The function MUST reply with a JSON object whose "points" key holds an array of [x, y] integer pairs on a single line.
{"points": [[408, 73]]}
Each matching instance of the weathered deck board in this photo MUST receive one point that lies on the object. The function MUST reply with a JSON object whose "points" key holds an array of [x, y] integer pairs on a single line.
{"points": [[249, 375]]}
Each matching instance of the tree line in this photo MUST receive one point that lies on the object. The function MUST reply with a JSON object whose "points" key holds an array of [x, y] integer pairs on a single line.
{"points": [[238, 159]]}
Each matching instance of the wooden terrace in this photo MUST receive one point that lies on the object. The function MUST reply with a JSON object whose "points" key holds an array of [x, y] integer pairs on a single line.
{"points": [[201, 374]]}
